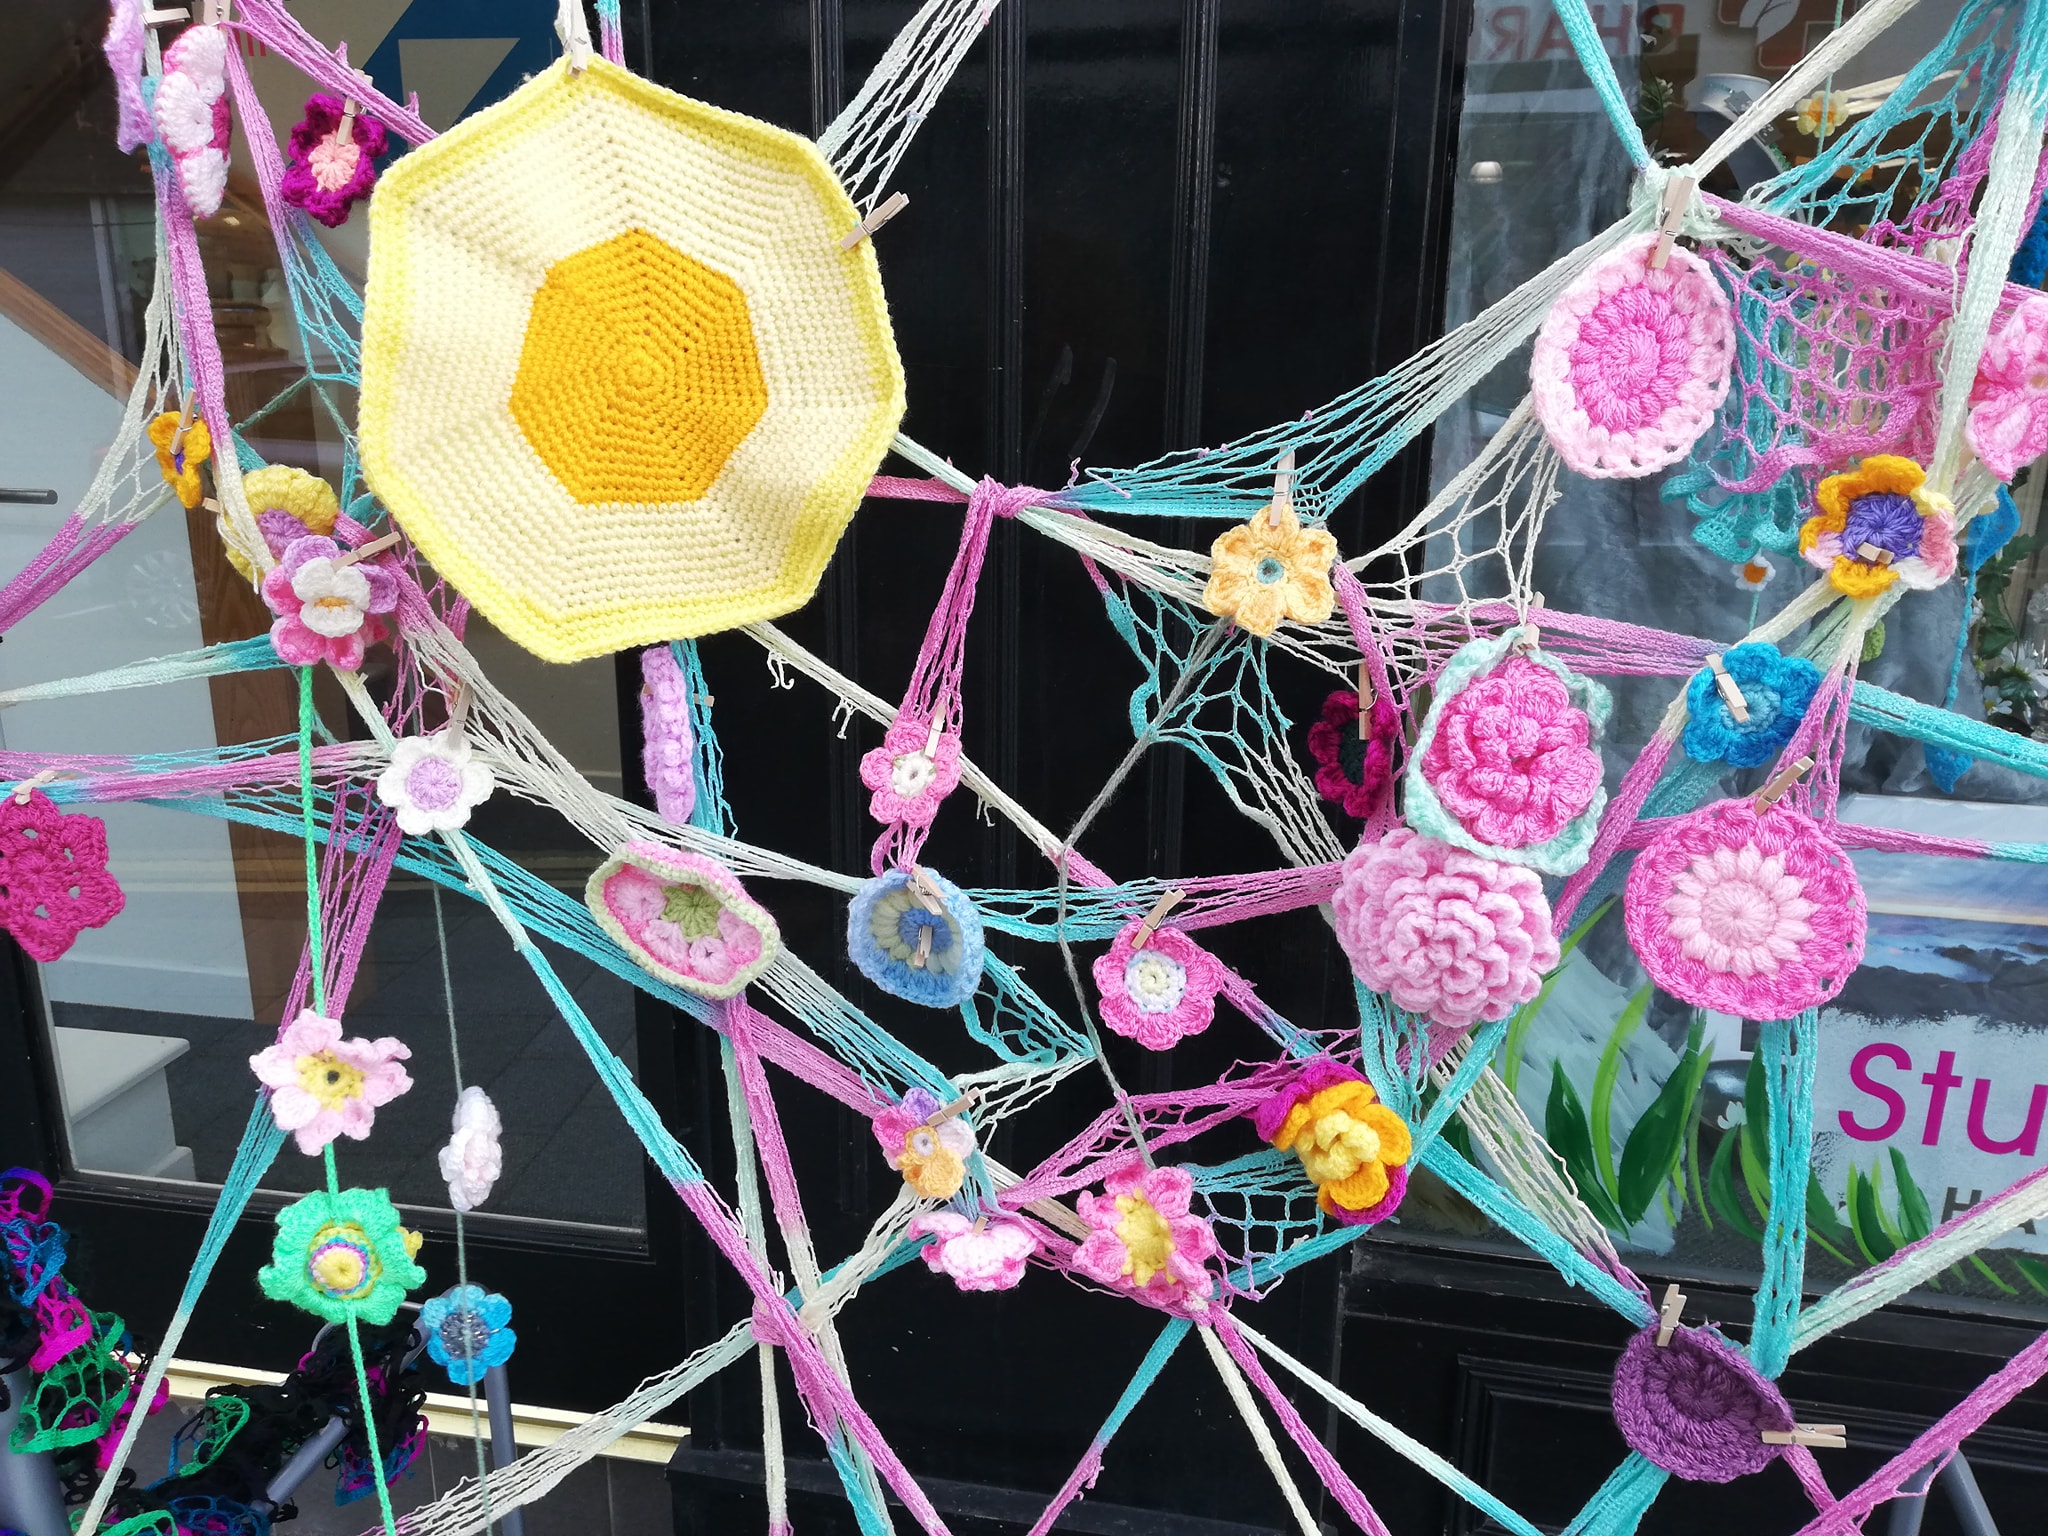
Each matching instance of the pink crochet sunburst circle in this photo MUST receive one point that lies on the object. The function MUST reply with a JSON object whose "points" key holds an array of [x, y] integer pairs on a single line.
{"points": [[1633, 361], [1756, 915]]}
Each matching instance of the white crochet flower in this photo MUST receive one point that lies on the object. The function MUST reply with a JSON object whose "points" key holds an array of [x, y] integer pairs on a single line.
{"points": [[910, 773], [472, 1160], [433, 783], [334, 599], [205, 179], [184, 113], [1155, 982], [1738, 912]]}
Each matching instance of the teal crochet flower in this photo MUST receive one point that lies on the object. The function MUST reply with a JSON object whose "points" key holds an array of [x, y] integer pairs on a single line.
{"points": [[1777, 691], [342, 1255], [469, 1330], [1508, 762]]}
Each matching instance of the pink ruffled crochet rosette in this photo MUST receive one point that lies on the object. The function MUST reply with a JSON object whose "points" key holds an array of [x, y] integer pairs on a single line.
{"points": [[1443, 933], [682, 917], [1161, 993], [1758, 915], [1697, 1407], [1511, 757], [1633, 361]]}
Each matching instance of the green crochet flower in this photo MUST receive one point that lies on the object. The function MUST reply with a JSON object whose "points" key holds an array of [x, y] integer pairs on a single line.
{"points": [[342, 1256]]}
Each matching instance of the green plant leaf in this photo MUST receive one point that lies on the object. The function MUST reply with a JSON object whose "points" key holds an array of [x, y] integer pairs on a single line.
{"points": [[1756, 1174], [1991, 1274], [1866, 1222], [1915, 1220], [1822, 1224], [1604, 1081], [1721, 1188], [1651, 1156], [1564, 1126], [1525, 1016], [2032, 1270], [1756, 1118]]}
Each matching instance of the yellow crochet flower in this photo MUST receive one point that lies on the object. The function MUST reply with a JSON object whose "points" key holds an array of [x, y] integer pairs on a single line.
{"points": [[1877, 524], [181, 469], [1270, 569], [1821, 112], [1347, 1142], [929, 1166], [279, 488]]}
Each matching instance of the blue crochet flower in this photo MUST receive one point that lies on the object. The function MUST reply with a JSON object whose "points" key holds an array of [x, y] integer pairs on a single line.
{"points": [[909, 950], [468, 1331], [1777, 689], [2030, 261]]}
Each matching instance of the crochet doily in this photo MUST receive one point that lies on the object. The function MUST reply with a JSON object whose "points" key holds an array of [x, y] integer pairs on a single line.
{"points": [[1696, 1407], [1758, 915], [1632, 362]]}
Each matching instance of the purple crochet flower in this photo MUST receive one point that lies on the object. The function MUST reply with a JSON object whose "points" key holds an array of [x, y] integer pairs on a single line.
{"points": [[1696, 1407], [329, 171], [326, 610]]}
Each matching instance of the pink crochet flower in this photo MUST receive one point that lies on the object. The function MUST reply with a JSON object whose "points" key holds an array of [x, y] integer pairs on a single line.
{"points": [[1446, 934], [1756, 915], [2008, 425], [1633, 361], [980, 1255], [1510, 759], [1161, 993], [669, 751], [54, 881], [325, 610], [1353, 768], [908, 781], [1144, 1237], [329, 171], [322, 1086]]}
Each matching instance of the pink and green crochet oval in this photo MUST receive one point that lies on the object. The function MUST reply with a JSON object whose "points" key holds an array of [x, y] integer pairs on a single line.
{"points": [[1632, 362], [1507, 764], [682, 917], [1758, 915]]}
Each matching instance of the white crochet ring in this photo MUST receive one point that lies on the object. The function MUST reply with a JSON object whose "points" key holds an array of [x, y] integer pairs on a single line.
{"points": [[1633, 362]]}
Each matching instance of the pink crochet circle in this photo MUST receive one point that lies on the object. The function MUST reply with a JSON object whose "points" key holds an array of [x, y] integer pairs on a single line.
{"points": [[1510, 758], [1633, 361], [1444, 933], [1760, 916]]}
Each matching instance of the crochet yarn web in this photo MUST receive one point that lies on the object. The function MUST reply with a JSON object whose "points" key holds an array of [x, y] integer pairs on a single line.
{"points": [[1863, 284]]}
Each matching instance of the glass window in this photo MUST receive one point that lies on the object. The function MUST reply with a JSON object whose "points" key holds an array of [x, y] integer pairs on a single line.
{"points": [[1927, 1097]]}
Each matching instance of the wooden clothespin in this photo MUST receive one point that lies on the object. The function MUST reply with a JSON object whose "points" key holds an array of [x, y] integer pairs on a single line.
{"points": [[1876, 554], [1283, 489], [1165, 904], [213, 13], [958, 1107], [1828, 1436], [1731, 691], [927, 894], [1667, 1320], [1365, 701], [886, 210], [1671, 217], [184, 422], [931, 741], [28, 787], [349, 108], [1781, 781], [365, 551], [573, 27], [154, 17], [923, 957]]}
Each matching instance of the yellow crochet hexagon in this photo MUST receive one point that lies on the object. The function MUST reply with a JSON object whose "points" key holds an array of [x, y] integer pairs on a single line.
{"points": [[626, 340], [620, 382]]}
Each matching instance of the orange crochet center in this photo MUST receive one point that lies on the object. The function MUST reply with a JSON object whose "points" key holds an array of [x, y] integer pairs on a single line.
{"points": [[638, 376]]}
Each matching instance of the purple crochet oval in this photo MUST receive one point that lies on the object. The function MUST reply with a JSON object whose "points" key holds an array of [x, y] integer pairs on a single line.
{"points": [[1697, 1407]]}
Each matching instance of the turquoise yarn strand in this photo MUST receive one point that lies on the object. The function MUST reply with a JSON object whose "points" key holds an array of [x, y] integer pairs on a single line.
{"points": [[1790, 1056], [1618, 1508], [1588, 45]]}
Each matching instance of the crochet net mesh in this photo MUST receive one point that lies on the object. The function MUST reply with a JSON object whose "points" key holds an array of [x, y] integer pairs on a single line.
{"points": [[1851, 312]]}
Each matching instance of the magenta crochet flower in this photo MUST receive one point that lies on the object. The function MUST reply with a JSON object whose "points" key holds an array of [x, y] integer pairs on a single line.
{"points": [[2008, 425], [1144, 1238], [1510, 757], [1633, 361], [1756, 915], [54, 881], [908, 780], [326, 610], [985, 1254], [1353, 769], [1161, 993], [1446, 934], [322, 1086], [330, 170]]}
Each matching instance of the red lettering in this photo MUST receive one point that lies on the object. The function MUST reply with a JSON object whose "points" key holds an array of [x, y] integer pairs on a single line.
{"points": [[2028, 1138], [1553, 40], [1510, 28], [1938, 1082], [1891, 1098], [1618, 36]]}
